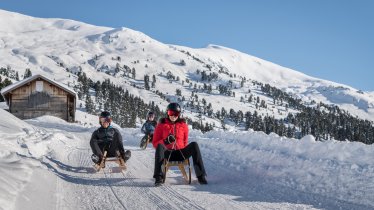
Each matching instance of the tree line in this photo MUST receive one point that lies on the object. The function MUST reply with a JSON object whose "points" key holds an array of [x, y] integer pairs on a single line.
{"points": [[125, 107], [320, 120]]}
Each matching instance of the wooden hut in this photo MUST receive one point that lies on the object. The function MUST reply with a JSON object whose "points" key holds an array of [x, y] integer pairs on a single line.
{"points": [[37, 96]]}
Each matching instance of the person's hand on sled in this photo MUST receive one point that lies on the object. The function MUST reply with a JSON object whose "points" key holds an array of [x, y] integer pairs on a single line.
{"points": [[170, 139]]}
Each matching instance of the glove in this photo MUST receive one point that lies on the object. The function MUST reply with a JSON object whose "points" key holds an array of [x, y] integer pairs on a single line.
{"points": [[170, 139], [96, 159]]}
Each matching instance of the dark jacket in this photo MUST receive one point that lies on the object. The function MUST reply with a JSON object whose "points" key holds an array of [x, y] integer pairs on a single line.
{"points": [[165, 127], [105, 137]]}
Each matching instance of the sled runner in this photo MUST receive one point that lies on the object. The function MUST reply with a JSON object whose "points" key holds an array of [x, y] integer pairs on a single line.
{"points": [[117, 159], [182, 167]]}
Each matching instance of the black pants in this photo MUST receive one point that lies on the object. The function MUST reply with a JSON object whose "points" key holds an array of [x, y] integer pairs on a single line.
{"points": [[111, 147], [191, 149]]}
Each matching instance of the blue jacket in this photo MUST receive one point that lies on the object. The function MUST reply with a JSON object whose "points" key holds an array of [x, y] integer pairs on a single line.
{"points": [[149, 127]]}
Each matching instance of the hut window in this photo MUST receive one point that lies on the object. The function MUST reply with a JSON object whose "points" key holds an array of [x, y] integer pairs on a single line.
{"points": [[39, 86]]}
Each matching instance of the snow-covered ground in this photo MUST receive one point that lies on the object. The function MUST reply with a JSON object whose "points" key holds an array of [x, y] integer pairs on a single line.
{"points": [[45, 164]]}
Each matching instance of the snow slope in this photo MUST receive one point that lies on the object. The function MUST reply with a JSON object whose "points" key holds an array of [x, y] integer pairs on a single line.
{"points": [[46, 163], [51, 46]]}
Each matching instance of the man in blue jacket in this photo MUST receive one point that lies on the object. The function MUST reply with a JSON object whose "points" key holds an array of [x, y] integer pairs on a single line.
{"points": [[148, 128]]}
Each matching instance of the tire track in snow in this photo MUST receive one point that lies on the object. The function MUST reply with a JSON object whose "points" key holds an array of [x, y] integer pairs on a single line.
{"points": [[139, 194], [162, 197], [166, 191], [114, 193], [91, 182]]}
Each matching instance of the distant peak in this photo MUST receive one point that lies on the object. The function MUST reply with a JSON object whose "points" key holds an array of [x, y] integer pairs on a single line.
{"points": [[13, 22], [214, 46]]}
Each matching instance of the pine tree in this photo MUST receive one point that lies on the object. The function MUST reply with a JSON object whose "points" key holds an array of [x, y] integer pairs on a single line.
{"points": [[178, 92], [3, 84], [133, 73], [223, 113], [90, 107], [27, 73], [146, 82], [154, 78]]}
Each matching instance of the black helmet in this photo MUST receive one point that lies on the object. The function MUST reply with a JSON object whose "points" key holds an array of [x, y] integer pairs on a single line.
{"points": [[105, 114], [105, 117], [150, 114], [174, 107]]}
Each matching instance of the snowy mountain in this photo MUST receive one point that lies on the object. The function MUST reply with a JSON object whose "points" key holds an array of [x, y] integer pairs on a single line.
{"points": [[60, 48]]}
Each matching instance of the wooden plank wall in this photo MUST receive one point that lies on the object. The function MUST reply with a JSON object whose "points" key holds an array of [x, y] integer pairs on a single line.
{"points": [[28, 103]]}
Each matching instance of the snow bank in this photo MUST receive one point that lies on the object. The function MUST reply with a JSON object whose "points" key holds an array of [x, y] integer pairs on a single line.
{"points": [[343, 170], [14, 170], [21, 147]]}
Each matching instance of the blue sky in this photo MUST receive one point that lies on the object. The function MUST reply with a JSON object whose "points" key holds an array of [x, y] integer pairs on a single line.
{"points": [[328, 39]]}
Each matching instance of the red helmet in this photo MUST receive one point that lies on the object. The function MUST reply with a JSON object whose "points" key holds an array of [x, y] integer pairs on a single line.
{"points": [[173, 109]]}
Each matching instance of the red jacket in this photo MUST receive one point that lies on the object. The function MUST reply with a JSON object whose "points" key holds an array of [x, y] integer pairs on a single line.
{"points": [[165, 127]]}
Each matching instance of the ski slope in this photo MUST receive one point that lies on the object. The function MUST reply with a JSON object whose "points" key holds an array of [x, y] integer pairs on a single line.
{"points": [[45, 164]]}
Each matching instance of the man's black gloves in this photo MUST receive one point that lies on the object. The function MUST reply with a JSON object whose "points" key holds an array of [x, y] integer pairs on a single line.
{"points": [[170, 139]]}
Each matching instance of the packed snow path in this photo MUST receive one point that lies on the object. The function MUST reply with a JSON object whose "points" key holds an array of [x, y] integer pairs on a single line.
{"points": [[66, 179]]}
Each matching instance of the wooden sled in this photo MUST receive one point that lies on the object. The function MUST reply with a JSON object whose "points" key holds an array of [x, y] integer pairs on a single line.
{"points": [[182, 167], [143, 145], [118, 159]]}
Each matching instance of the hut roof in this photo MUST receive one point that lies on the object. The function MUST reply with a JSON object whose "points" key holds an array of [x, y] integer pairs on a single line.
{"points": [[18, 84]]}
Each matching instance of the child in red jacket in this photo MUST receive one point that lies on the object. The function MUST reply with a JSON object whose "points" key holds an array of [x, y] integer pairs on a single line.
{"points": [[171, 142]]}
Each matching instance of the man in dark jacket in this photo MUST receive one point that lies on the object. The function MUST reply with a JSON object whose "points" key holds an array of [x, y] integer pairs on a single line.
{"points": [[107, 138], [171, 142]]}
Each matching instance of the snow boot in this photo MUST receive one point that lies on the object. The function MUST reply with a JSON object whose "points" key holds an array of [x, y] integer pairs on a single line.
{"points": [[159, 181], [202, 180], [126, 155]]}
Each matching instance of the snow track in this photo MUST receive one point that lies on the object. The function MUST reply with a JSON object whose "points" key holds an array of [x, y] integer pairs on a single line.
{"points": [[114, 193], [139, 193], [134, 188]]}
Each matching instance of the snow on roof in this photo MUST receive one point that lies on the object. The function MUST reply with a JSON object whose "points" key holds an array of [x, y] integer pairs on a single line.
{"points": [[15, 85]]}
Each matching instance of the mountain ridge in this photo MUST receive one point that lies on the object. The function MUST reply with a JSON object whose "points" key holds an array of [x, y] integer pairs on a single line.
{"points": [[97, 51]]}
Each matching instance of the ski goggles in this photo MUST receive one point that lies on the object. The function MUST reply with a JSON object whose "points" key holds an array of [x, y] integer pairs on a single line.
{"points": [[173, 113], [105, 119]]}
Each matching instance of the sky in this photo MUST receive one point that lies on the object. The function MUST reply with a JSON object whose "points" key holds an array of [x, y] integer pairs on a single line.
{"points": [[327, 39]]}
